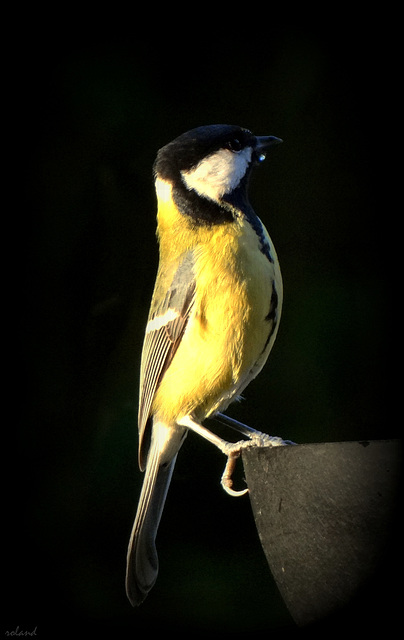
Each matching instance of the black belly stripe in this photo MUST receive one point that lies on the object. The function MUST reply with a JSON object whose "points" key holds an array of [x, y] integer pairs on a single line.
{"points": [[256, 224], [271, 315], [264, 248], [273, 304]]}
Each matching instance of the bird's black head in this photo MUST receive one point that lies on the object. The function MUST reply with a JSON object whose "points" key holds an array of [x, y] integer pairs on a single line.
{"points": [[186, 151], [210, 164]]}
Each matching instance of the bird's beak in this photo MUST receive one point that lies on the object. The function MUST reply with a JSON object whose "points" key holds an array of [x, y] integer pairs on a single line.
{"points": [[264, 143]]}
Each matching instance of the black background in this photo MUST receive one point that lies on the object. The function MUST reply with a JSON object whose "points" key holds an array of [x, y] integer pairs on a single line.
{"points": [[92, 110]]}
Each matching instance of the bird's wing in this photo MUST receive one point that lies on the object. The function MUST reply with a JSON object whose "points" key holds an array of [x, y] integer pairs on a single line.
{"points": [[171, 305]]}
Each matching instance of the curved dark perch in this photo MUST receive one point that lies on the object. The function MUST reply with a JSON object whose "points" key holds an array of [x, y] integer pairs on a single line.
{"points": [[325, 514]]}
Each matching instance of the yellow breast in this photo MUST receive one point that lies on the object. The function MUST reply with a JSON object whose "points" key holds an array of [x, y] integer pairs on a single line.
{"points": [[227, 332]]}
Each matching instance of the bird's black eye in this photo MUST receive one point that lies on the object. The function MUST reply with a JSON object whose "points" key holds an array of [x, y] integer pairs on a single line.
{"points": [[234, 145]]}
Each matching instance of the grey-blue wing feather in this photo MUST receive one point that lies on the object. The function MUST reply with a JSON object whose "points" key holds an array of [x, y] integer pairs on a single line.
{"points": [[162, 339]]}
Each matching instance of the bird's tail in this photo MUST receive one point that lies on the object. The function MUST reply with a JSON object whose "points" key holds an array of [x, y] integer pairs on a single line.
{"points": [[142, 560]]}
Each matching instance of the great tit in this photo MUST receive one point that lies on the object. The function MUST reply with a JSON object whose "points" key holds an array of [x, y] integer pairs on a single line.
{"points": [[213, 318]]}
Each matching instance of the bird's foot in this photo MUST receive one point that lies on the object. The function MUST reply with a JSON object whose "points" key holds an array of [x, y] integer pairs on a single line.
{"points": [[233, 449]]}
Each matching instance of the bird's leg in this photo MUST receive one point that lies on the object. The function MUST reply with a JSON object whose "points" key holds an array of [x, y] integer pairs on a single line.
{"points": [[232, 449], [235, 424], [257, 437]]}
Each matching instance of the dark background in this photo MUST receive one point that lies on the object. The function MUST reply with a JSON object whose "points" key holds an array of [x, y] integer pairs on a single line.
{"points": [[94, 109]]}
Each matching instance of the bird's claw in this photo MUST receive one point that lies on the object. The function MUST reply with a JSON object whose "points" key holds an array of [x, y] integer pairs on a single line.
{"points": [[233, 450], [227, 481]]}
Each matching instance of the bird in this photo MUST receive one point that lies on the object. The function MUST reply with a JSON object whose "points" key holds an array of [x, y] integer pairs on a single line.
{"points": [[213, 318]]}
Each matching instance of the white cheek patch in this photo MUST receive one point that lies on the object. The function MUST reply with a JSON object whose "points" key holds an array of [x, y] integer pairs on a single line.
{"points": [[218, 173]]}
